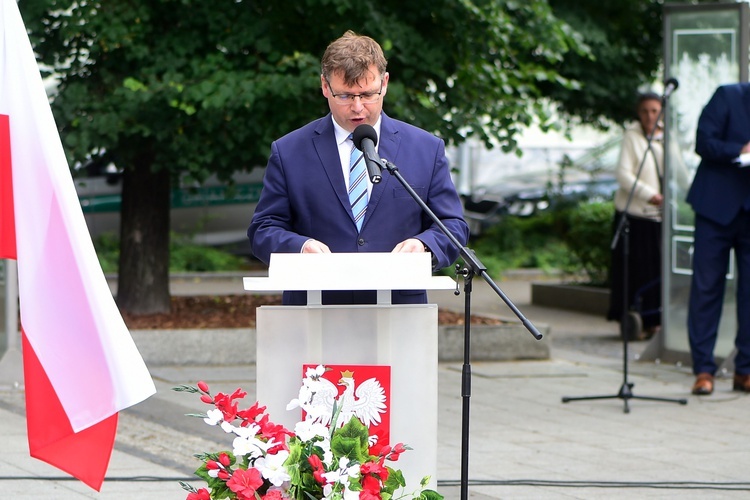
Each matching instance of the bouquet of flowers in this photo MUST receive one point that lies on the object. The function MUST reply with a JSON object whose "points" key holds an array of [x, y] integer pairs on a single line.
{"points": [[316, 461]]}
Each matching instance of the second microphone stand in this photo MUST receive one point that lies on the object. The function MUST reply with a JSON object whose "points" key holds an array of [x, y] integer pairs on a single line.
{"points": [[623, 229]]}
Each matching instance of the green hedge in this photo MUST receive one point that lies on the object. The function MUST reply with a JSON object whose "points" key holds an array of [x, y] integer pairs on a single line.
{"points": [[574, 239]]}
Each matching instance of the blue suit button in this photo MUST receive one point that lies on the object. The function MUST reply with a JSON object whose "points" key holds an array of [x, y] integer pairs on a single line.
{"points": [[361, 241]]}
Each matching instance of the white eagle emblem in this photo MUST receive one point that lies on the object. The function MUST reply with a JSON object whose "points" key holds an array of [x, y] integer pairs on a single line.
{"points": [[366, 401]]}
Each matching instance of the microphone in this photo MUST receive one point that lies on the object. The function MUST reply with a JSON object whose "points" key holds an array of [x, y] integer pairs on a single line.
{"points": [[670, 86], [365, 138]]}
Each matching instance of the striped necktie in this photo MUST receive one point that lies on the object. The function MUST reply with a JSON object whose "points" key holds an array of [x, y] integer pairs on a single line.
{"points": [[357, 186]]}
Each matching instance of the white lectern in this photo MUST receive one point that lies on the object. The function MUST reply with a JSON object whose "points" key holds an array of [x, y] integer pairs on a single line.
{"points": [[401, 336]]}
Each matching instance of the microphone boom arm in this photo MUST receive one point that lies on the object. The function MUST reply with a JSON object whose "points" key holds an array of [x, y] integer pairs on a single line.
{"points": [[467, 254]]}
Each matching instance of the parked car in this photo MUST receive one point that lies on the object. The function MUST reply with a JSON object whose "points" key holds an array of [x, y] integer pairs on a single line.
{"points": [[212, 213], [590, 176]]}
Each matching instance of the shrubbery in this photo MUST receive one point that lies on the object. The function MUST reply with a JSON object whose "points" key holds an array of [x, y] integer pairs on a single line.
{"points": [[574, 239], [589, 238]]}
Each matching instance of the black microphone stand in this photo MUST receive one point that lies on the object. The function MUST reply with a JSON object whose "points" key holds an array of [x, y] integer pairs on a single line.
{"points": [[623, 228], [472, 266]]}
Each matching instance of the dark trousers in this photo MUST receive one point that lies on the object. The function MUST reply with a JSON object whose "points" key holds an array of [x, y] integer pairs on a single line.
{"points": [[711, 251]]}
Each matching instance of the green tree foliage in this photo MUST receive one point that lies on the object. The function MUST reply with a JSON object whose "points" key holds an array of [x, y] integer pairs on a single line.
{"points": [[213, 83], [169, 89], [185, 88], [625, 42]]}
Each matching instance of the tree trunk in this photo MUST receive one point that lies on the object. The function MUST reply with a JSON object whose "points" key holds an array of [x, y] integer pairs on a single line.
{"points": [[143, 280]]}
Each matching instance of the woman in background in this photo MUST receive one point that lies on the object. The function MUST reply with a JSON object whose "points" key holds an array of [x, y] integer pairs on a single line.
{"points": [[644, 215]]}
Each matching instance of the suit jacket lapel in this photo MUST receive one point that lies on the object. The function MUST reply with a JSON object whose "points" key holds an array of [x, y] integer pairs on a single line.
{"points": [[328, 153], [389, 142]]}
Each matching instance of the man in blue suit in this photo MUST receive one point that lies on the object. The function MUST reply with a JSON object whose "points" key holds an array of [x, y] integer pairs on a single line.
{"points": [[720, 197], [305, 206]]}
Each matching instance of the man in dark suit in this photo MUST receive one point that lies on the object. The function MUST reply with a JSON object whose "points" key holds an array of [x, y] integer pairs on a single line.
{"points": [[720, 197], [305, 204]]}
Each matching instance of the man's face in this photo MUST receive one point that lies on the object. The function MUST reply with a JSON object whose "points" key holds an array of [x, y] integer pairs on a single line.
{"points": [[351, 112]]}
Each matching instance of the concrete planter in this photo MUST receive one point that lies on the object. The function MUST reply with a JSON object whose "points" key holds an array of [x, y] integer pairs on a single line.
{"points": [[229, 346], [236, 346], [506, 342], [572, 297]]}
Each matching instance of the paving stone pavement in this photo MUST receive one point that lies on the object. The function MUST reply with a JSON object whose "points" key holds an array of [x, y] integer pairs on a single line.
{"points": [[525, 443]]}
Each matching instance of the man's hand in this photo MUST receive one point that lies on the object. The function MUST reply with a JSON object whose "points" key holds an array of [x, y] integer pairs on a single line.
{"points": [[745, 148], [315, 246], [412, 245]]}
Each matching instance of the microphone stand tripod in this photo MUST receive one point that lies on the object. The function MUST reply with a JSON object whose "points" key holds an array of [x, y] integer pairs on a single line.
{"points": [[472, 266], [623, 228]]}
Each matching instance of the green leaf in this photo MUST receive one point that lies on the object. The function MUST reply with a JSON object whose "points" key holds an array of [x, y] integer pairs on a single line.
{"points": [[351, 441], [430, 495], [134, 85], [395, 480], [186, 388]]}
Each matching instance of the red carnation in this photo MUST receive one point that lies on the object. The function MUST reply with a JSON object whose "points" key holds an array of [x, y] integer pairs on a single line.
{"points": [[370, 488], [201, 494], [245, 483], [317, 465]]}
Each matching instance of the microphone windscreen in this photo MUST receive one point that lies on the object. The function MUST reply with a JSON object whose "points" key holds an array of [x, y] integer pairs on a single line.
{"points": [[364, 131]]}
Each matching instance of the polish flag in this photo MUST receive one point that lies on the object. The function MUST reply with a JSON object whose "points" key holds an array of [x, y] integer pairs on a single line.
{"points": [[81, 366]]}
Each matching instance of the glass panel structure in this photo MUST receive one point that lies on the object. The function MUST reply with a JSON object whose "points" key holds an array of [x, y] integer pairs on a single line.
{"points": [[704, 46]]}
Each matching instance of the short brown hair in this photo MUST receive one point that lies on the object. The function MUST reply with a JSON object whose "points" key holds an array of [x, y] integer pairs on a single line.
{"points": [[643, 97], [351, 56]]}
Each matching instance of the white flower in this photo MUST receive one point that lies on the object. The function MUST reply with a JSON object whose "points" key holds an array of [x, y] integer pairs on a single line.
{"points": [[353, 471], [316, 372], [327, 456], [350, 494], [343, 473], [272, 468], [242, 447], [332, 477], [247, 432], [305, 396], [334, 494], [307, 430], [247, 444], [214, 417]]}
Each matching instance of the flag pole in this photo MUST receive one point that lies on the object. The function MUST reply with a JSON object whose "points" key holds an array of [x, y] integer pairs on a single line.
{"points": [[11, 360]]}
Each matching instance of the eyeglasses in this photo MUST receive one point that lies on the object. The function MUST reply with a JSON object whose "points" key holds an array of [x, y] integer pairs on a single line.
{"points": [[364, 98]]}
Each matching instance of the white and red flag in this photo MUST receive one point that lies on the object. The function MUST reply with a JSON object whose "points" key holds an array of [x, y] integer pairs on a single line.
{"points": [[81, 366]]}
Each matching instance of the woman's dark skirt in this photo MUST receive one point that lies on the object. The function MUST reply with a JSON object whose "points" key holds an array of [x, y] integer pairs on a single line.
{"points": [[644, 271]]}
